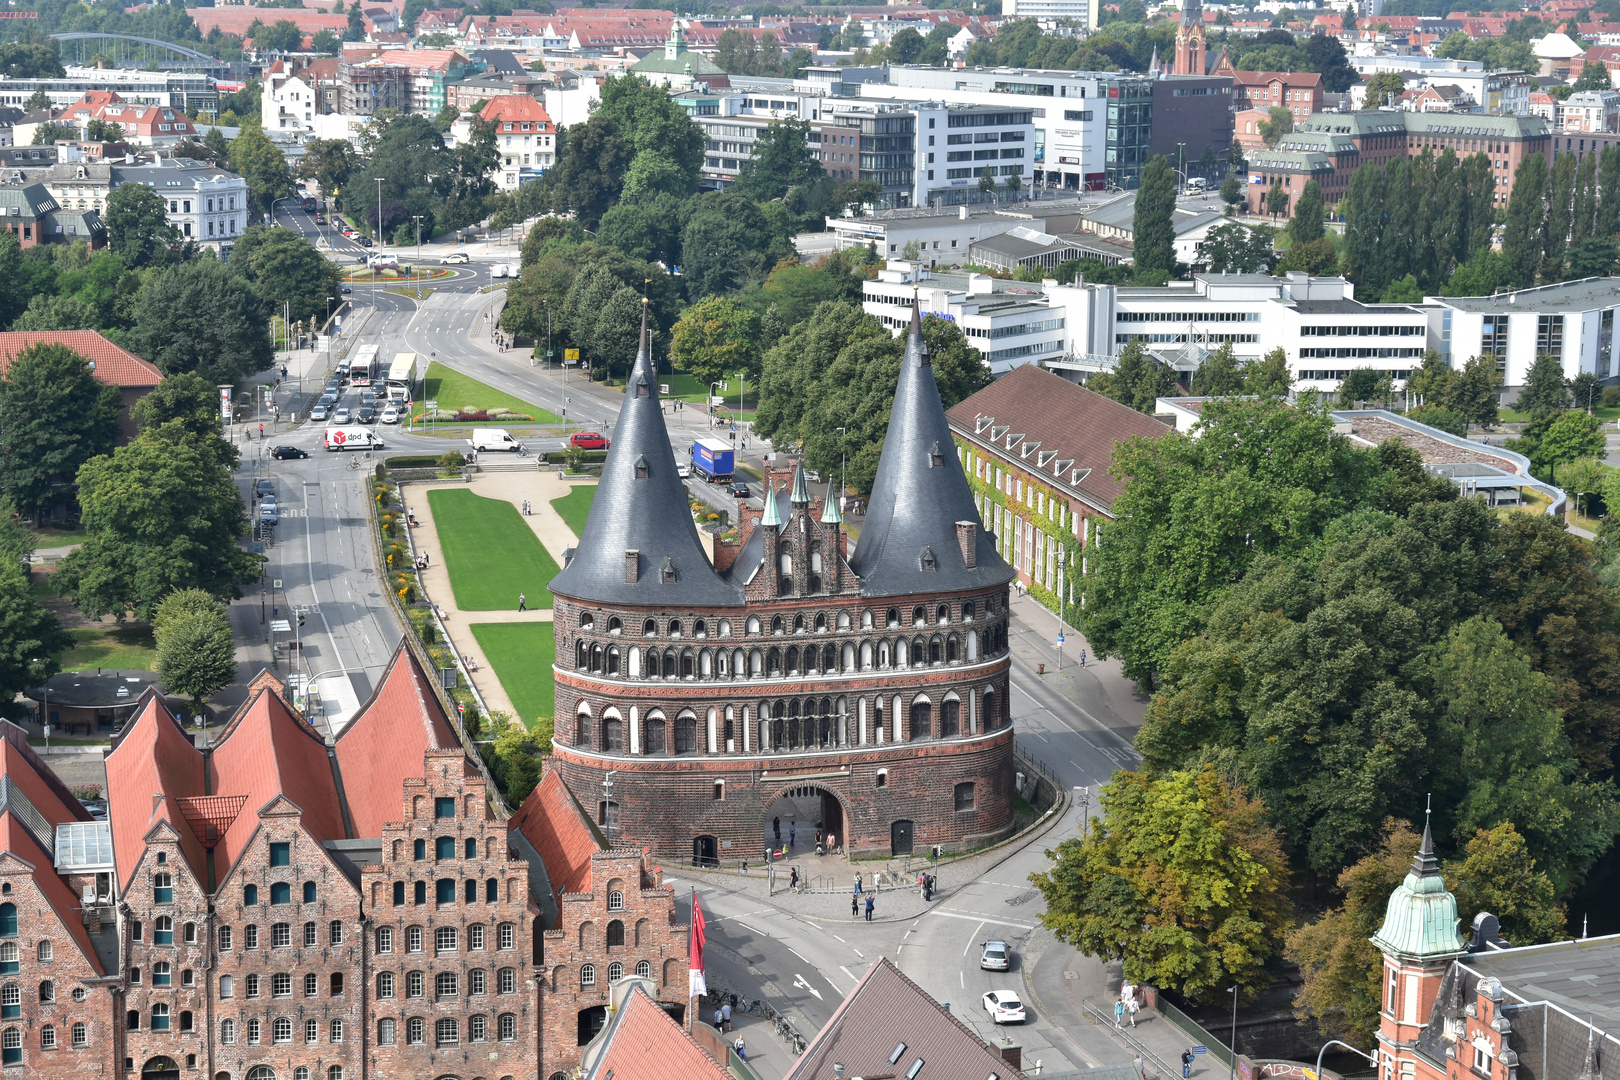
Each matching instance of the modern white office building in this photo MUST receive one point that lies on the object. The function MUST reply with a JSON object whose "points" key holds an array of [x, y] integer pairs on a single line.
{"points": [[1573, 320]]}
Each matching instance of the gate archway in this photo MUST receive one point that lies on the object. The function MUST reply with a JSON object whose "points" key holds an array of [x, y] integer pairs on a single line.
{"points": [[798, 812]]}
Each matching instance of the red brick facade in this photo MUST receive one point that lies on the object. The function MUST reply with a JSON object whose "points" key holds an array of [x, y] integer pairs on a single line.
{"points": [[896, 708]]}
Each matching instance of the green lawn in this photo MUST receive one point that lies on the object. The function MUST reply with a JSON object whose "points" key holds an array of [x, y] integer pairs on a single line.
{"points": [[491, 554], [575, 506], [453, 390], [1514, 416], [522, 654], [113, 647], [687, 388]]}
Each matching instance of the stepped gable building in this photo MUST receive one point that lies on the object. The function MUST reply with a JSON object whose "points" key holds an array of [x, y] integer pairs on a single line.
{"points": [[1477, 1008], [693, 695], [284, 907]]}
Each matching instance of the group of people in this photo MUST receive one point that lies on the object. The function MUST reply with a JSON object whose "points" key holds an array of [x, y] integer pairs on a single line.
{"points": [[422, 561], [925, 885]]}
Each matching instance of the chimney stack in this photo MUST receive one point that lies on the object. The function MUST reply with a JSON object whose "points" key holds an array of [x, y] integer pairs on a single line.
{"points": [[967, 538], [632, 566]]}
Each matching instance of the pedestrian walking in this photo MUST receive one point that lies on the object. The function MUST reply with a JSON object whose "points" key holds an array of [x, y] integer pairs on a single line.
{"points": [[1131, 1008], [1119, 1015], [832, 842], [1186, 1064], [741, 1048], [793, 879], [928, 887], [719, 1023], [1137, 1061], [793, 829], [261, 431], [857, 883], [869, 900], [523, 602], [854, 906], [1082, 658], [725, 1014], [776, 828]]}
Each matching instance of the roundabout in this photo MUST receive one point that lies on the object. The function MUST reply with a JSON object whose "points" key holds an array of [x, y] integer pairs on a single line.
{"points": [[395, 275]]}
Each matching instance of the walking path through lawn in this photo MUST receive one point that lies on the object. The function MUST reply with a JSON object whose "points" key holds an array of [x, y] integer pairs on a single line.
{"points": [[479, 553]]}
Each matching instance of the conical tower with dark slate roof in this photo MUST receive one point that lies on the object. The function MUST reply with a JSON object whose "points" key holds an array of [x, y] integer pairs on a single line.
{"points": [[922, 532], [640, 545]]}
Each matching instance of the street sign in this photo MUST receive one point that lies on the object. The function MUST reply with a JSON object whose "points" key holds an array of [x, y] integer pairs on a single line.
{"points": [[431, 403], [1060, 639], [571, 355], [276, 584], [1200, 1049]]}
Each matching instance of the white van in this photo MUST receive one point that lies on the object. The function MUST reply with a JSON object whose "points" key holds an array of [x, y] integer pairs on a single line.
{"points": [[500, 270], [492, 439], [350, 438]]}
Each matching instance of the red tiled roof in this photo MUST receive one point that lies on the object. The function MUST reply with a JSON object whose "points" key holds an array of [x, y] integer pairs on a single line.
{"points": [[151, 756], [551, 819], [36, 779], [644, 1042], [114, 366], [16, 840], [268, 750], [515, 109], [384, 743], [236, 20], [1292, 78], [1079, 424], [886, 1008]]}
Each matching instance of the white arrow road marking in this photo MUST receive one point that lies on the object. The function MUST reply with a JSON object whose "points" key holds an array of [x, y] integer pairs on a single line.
{"points": [[798, 980]]}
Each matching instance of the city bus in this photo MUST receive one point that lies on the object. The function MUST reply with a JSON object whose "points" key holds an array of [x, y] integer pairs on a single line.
{"points": [[363, 367], [401, 375]]}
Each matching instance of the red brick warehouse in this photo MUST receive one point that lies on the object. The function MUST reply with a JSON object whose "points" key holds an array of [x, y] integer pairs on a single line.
{"points": [[875, 679]]}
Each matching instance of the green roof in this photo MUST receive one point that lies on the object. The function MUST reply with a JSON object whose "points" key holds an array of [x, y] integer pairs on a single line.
{"points": [[1421, 920], [683, 64]]}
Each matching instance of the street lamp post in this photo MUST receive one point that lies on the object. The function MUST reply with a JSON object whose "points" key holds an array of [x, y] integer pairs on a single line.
{"points": [[843, 468], [46, 706], [379, 242], [418, 219], [1231, 1055], [1371, 1058], [1061, 626]]}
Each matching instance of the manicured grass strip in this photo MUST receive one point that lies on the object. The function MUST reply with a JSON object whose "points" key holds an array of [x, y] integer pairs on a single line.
{"points": [[690, 389], [128, 647], [455, 391], [492, 555], [522, 654], [575, 507]]}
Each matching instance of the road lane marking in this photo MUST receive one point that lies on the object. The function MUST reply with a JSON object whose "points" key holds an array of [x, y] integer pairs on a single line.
{"points": [[971, 936], [840, 939], [797, 953], [848, 972], [982, 918], [858, 953], [748, 928], [798, 980]]}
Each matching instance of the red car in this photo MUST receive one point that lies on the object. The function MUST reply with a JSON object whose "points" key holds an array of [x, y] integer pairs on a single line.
{"points": [[588, 440]]}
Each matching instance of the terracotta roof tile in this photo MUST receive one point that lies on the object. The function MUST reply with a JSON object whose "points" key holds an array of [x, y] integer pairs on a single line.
{"points": [[269, 750], [151, 756], [517, 108], [384, 743], [114, 366], [36, 779], [551, 819], [886, 1009], [1078, 424], [644, 1042], [15, 839]]}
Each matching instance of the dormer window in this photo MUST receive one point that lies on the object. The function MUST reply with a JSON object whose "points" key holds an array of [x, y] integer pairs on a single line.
{"points": [[936, 457], [981, 423], [929, 563], [642, 389], [641, 467], [667, 573]]}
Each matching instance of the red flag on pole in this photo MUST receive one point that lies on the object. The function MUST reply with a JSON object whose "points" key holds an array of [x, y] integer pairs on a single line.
{"points": [[695, 947]]}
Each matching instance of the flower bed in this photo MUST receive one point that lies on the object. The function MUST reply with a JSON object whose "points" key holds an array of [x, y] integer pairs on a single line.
{"points": [[474, 416]]}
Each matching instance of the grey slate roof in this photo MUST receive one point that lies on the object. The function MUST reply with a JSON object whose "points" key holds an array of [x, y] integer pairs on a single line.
{"points": [[647, 514], [916, 503]]}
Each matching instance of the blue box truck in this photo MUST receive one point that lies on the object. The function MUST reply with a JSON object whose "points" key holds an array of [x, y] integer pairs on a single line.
{"points": [[713, 460]]}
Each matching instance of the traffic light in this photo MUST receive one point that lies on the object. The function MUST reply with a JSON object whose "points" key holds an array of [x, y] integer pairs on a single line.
{"points": [[300, 618]]}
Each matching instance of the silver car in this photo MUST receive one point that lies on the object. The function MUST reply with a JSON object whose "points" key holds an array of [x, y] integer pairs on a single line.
{"points": [[318, 413], [996, 956]]}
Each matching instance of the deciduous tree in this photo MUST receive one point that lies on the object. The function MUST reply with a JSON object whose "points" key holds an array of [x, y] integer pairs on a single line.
{"points": [[138, 228], [202, 316], [716, 338], [1153, 230], [54, 417]]}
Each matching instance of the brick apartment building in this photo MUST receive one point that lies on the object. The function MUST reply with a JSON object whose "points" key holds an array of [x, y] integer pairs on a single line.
{"points": [[281, 906], [872, 681], [1330, 147]]}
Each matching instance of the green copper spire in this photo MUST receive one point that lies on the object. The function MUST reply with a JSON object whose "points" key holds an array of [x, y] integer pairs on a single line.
{"points": [[801, 486], [1421, 920], [829, 510], [773, 514]]}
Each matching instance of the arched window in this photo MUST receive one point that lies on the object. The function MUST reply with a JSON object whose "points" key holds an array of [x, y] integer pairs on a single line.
{"points": [[280, 893], [227, 1032], [444, 847], [612, 733], [47, 1037], [655, 736], [674, 628], [649, 628], [10, 1001], [80, 1035], [47, 951], [586, 620], [773, 662], [821, 622], [643, 969], [942, 614], [920, 716], [798, 623], [935, 652], [612, 667], [753, 624], [615, 972], [579, 655], [446, 1032], [615, 933], [47, 992], [419, 850], [615, 900], [11, 1046], [415, 1031], [777, 625], [790, 663], [951, 653], [686, 735], [688, 664], [587, 975], [725, 628], [309, 892], [892, 617], [919, 615], [386, 1032], [949, 718], [250, 895], [967, 611], [615, 625], [582, 731]]}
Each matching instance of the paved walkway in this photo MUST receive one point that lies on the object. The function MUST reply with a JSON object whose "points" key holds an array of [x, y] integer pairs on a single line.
{"points": [[538, 488]]}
